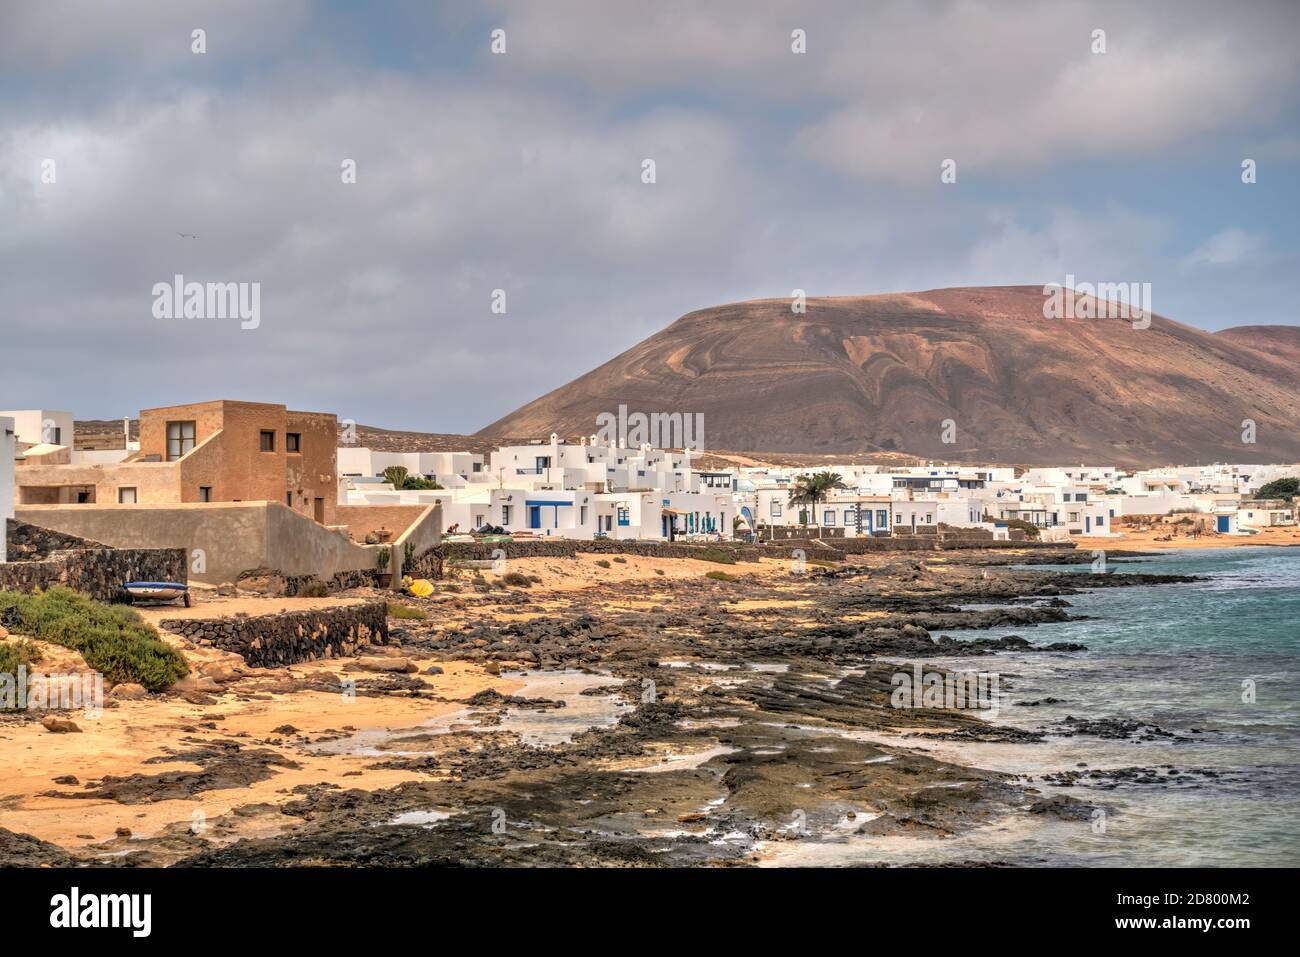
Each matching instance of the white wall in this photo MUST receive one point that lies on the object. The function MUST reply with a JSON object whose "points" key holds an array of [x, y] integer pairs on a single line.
{"points": [[30, 426], [6, 478]]}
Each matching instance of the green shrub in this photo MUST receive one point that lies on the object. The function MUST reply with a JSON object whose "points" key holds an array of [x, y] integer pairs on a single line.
{"points": [[659, 571], [16, 653], [1029, 528], [720, 576], [716, 555], [518, 579], [405, 611], [602, 563], [620, 559], [1282, 488], [112, 639], [313, 589]]}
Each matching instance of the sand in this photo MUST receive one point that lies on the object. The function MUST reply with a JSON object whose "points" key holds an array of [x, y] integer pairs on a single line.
{"points": [[1146, 541]]}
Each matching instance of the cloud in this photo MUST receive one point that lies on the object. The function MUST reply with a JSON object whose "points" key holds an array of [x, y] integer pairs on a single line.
{"points": [[522, 172], [1225, 247]]}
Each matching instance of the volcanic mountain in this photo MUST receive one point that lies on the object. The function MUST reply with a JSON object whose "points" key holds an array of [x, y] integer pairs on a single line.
{"points": [[883, 373]]}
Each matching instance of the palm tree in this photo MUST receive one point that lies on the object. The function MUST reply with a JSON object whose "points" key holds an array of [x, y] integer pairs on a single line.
{"points": [[812, 489]]}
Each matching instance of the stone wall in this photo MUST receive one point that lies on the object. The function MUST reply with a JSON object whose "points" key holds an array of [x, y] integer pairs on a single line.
{"points": [[569, 548], [268, 581], [31, 543], [898, 543], [97, 572], [267, 641]]}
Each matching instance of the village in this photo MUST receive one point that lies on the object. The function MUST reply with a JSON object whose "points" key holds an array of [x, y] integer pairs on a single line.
{"points": [[295, 624], [244, 486]]}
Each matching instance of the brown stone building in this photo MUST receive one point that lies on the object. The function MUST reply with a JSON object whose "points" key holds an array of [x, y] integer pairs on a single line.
{"points": [[206, 452]]}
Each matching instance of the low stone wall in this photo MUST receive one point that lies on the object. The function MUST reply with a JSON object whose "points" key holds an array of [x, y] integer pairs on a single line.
{"points": [[97, 572], [267, 641], [897, 543], [31, 543], [268, 581], [428, 564], [569, 548]]}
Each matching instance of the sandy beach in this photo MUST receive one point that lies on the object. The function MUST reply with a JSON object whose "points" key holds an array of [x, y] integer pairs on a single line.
{"points": [[641, 713], [1149, 540]]}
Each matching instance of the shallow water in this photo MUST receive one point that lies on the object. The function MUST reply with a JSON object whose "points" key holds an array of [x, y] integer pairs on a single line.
{"points": [[1182, 657], [537, 727]]}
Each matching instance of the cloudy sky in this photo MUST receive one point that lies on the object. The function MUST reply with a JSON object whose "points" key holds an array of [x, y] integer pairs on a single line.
{"points": [[522, 171]]}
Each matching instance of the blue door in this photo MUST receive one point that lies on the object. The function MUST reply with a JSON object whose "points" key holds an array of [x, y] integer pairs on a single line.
{"points": [[534, 516], [1223, 523]]}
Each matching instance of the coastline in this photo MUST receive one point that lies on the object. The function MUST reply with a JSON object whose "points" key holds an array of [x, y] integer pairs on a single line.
{"points": [[704, 721]]}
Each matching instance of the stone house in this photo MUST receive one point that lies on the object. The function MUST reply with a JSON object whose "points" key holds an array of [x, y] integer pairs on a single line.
{"points": [[221, 451]]}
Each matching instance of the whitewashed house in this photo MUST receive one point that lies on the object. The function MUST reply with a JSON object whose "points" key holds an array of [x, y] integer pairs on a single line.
{"points": [[448, 469]]}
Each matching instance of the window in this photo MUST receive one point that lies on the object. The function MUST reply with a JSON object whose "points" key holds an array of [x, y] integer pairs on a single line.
{"points": [[205, 493], [505, 514], [828, 517], [293, 441], [180, 439], [623, 517], [288, 499], [126, 496], [776, 509], [848, 517], [929, 519], [267, 441], [478, 466]]}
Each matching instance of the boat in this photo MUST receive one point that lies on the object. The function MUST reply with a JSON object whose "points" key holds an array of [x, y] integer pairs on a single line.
{"points": [[158, 592]]}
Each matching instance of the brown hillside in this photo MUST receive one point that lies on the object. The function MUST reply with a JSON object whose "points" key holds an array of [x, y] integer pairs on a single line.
{"points": [[882, 373]]}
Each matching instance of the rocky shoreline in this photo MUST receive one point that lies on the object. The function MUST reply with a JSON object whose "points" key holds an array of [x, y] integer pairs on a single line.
{"points": [[661, 722]]}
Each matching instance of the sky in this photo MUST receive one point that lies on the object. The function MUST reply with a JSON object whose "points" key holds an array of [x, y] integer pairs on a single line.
{"points": [[127, 158]]}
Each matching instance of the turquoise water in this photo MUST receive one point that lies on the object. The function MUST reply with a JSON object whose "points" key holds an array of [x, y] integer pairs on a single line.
{"points": [[1172, 655]]}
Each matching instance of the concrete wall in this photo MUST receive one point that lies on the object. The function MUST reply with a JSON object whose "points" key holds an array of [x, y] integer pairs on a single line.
{"points": [[363, 519], [422, 536], [232, 537], [57, 484]]}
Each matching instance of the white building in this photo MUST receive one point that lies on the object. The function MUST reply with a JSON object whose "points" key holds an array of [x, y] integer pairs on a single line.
{"points": [[41, 426], [448, 469], [7, 452]]}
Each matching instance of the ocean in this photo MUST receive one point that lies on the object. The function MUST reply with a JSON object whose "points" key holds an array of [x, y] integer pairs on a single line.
{"points": [[1216, 663]]}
